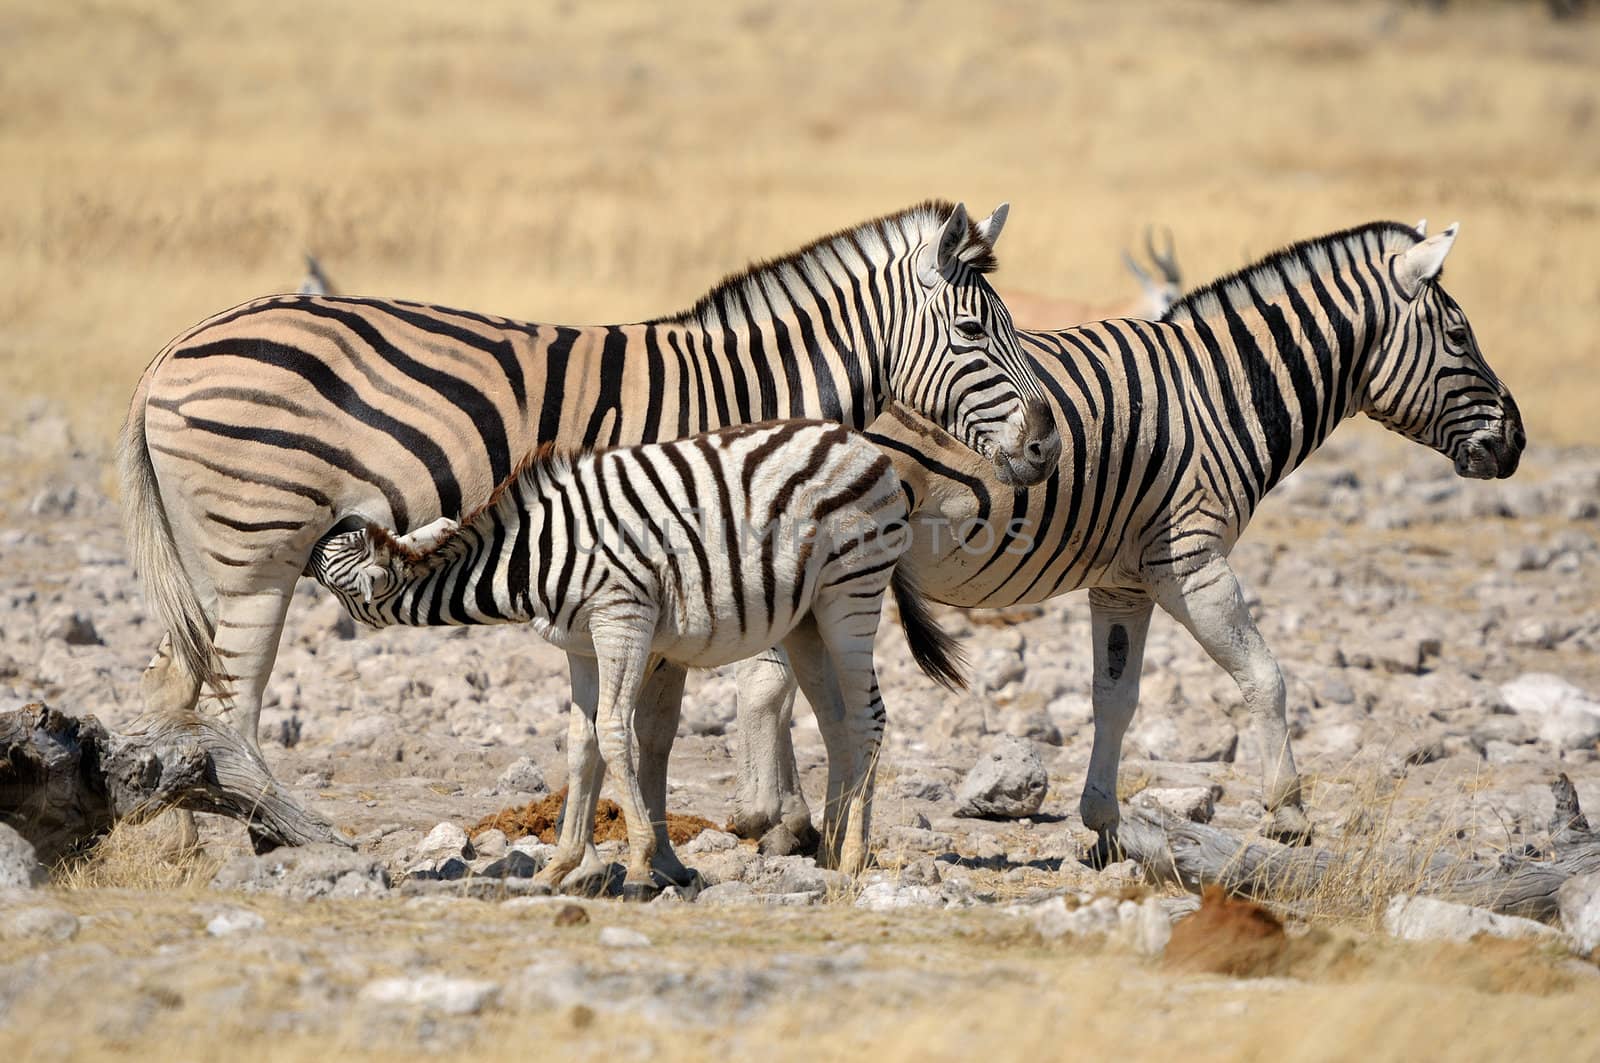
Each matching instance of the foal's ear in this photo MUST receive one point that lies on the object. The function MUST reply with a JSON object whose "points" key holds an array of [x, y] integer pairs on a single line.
{"points": [[1416, 266], [990, 227]]}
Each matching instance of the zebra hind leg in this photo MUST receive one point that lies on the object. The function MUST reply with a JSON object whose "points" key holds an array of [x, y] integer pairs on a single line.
{"points": [[1211, 606], [770, 805], [1120, 620], [832, 659], [655, 726]]}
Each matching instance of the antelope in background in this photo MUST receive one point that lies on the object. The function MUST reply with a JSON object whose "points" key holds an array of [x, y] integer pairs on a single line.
{"points": [[1155, 295]]}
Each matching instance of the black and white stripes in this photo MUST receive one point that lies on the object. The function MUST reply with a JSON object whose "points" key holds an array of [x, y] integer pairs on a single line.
{"points": [[699, 552]]}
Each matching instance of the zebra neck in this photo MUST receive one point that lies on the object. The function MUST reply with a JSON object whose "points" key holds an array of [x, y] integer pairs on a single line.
{"points": [[492, 570], [1290, 363], [806, 358]]}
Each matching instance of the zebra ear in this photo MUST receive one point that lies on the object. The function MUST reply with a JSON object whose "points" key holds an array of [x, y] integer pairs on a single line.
{"points": [[1416, 266], [1422, 227], [947, 246], [989, 228]]}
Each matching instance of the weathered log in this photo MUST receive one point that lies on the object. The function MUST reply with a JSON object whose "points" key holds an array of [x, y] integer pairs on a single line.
{"points": [[1194, 855], [66, 780]]}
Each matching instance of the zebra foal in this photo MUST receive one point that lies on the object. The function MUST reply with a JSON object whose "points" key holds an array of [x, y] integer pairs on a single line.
{"points": [[699, 552]]}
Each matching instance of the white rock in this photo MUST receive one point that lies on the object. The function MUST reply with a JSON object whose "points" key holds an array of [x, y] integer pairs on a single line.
{"points": [[1143, 926], [51, 923], [490, 843], [1194, 803], [522, 776], [435, 992], [19, 864], [444, 841], [728, 895], [620, 937], [1579, 902], [1008, 780], [1565, 716], [711, 841], [1429, 919], [234, 921], [885, 895]]}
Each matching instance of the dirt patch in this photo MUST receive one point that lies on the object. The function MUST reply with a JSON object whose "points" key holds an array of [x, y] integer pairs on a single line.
{"points": [[542, 819], [1227, 936]]}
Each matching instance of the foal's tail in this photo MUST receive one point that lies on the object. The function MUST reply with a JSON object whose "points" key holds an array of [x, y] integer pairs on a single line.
{"points": [[935, 650]]}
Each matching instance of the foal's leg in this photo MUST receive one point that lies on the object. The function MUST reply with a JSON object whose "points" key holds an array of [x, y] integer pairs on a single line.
{"points": [[832, 657], [622, 648], [1120, 620], [576, 864], [1210, 605], [656, 725]]}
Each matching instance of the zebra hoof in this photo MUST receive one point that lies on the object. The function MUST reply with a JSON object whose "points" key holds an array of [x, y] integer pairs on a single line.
{"points": [[807, 838], [640, 892], [1288, 825], [1105, 851]]}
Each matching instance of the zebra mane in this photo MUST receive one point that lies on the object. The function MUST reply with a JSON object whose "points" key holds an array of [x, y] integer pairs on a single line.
{"points": [[1295, 262], [545, 463], [819, 262]]}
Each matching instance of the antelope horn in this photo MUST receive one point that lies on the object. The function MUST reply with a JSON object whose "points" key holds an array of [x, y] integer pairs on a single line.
{"points": [[1133, 267], [1166, 262]]}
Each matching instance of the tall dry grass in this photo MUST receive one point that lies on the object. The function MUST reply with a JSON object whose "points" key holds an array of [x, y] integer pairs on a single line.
{"points": [[579, 162]]}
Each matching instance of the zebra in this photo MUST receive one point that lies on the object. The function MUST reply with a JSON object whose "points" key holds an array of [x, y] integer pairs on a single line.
{"points": [[701, 552], [253, 434], [1156, 295], [1176, 431]]}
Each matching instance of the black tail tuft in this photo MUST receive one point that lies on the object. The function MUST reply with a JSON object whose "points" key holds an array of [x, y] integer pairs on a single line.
{"points": [[936, 652]]}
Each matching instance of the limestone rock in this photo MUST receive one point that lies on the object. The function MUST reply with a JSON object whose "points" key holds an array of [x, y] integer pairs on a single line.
{"points": [[1008, 781], [1429, 919], [19, 865]]}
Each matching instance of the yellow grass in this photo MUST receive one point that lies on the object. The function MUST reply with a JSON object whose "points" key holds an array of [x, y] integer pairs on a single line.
{"points": [[577, 162]]}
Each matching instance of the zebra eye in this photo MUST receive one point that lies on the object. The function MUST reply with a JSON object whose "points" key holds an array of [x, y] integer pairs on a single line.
{"points": [[970, 329], [1457, 335]]}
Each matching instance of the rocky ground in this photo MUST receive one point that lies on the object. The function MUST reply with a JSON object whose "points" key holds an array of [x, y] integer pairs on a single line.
{"points": [[1438, 637]]}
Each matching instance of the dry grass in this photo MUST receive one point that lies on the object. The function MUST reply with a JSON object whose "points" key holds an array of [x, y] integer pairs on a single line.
{"points": [[138, 857], [608, 162]]}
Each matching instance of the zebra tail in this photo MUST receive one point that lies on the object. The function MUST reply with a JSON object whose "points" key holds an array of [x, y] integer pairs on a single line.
{"points": [[155, 552], [936, 651]]}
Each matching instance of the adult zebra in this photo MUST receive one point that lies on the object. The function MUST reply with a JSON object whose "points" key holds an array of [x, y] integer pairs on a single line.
{"points": [[254, 434], [700, 551], [1175, 432]]}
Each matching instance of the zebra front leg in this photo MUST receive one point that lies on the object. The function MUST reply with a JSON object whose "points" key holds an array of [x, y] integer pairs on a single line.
{"points": [[769, 787], [622, 647], [1210, 605], [1120, 619], [576, 865]]}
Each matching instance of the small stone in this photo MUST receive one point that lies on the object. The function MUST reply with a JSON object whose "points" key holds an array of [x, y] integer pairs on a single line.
{"points": [[445, 840], [74, 627], [434, 992], [1579, 902], [571, 915], [1429, 919], [711, 841], [452, 869], [515, 864], [234, 921], [57, 500], [522, 777], [304, 872], [1008, 781], [919, 839], [620, 937], [491, 842], [19, 864], [50, 923], [886, 896], [728, 895], [1197, 804], [1565, 717]]}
